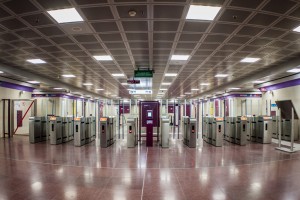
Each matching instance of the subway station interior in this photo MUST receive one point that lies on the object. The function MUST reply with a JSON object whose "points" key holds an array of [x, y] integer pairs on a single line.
{"points": [[150, 99]]}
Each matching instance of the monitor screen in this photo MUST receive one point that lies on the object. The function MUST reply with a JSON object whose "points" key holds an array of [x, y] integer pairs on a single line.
{"points": [[149, 113]]}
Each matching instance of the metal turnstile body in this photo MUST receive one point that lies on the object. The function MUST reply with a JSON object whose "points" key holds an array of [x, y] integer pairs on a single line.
{"points": [[241, 131], [205, 129], [87, 130], [164, 132], [184, 129], [70, 127], [254, 129], [104, 132], [217, 131], [209, 130], [230, 129], [35, 129], [192, 133], [131, 132], [79, 131], [287, 129], [264, 130], [55, 130], [112, 129], [275, 126]]}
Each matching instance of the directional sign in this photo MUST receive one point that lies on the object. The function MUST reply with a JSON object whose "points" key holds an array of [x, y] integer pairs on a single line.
{"points": [[140, 91], [143, 73], [133, 81]]}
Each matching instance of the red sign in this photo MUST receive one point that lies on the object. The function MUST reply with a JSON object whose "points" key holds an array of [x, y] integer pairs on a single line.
{"points": [[133, 81]]}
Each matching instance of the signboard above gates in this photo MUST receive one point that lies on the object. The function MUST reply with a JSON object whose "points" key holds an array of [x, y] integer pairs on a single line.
{"points": [[140, 91]]}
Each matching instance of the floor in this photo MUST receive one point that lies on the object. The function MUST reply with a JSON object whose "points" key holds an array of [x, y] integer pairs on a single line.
{"points": [[44, 171]]}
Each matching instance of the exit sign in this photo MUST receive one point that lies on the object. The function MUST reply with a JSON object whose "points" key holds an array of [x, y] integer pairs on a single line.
{"points": [[143, 73], [133, 81]]}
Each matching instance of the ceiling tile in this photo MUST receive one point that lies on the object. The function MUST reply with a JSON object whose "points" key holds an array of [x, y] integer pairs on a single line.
{"points": [[141, 11], [85, 2], [38, 20], [249, 30], [190, 37], [263, 19], [271, 33], [85, 38], [163, 36], [215, 38], [246, 4], [51, 31], [168, 11], [135, 25], [54, 4], [137, 36], [277, 6], [231, 15], [13, 24], [105, 27], [62, 40], [195, 26], [26, 7], [111, 37], [166, 25], [287, 24], [97, 13]]}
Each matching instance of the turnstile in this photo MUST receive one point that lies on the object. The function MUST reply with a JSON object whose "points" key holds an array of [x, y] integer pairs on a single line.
{"points": [[287, 129], [55, 130], [209, 129], [205, 129], [164, 132], [71, 127], [104, 132], [230, 129], [131, 132], [88, 130], [241, 131], [35, 129], [264, 131], [93, 128], [112, 129], [66, 129], [192, 133], [79, 131], [253, 130], [275, 127], [184, 129], [217, 131]]}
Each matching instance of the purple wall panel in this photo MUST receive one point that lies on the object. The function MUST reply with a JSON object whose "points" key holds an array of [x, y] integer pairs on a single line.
{"points": [[126, 109], [171, 109]]}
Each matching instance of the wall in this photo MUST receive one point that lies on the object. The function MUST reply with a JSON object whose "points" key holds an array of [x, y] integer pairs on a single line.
{"points": [[6, 93]]}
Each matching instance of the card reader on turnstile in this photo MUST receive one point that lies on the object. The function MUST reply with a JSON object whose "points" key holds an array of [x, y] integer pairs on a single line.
{"points": [[217, 131], [241, 131], [131, 132], [104, 132], [264, 131], [149, 129]]}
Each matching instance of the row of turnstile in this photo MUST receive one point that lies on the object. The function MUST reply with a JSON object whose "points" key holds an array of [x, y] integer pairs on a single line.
{"points": [[189, 131], [62, 129]]}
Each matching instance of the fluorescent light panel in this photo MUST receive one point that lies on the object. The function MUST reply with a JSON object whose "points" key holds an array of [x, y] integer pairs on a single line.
{"points": [[87, 84], [296, 70], [234, 88], [221, 75], [163, 89], [1, 72], [194, 89], [180, 57], [202, 12], [68, 76], [297, 29], [188, 93], [99, 89], [118, 75], [66, 15], [36, 61], [103, 58], [57, 88], [171, 74], [166, 83], [258, 81], [33, 82], [204, 84], [250, 60]]}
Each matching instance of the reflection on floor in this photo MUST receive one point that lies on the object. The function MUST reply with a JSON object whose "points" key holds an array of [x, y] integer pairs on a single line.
{"points": [[44, 171]]}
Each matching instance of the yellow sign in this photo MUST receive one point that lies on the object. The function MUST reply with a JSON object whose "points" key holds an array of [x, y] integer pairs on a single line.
{"points": [[52, 118], [219, 118], [103, 119], [77, 119]]}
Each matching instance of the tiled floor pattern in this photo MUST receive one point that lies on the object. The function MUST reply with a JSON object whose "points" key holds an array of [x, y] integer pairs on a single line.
{"points": [[44, 171]]}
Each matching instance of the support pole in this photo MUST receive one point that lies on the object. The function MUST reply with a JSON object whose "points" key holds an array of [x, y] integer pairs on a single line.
{"points": [[292, 133]]}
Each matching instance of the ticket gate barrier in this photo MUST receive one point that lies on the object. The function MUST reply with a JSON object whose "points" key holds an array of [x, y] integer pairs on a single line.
{"points": [[79, 131], [185, 124], [35, 129], [241, 131], [192, 133], [264, 131], [275, 127], [131, 132], [66, 129], [104, 132], [164, 132], [254, 129], [230, 129], [71, 128], [112, 129], [209, 133], [217, 131], [206, 129], [93, 128], [249, 127], [287, 129], [55, 130], [88, 130]]}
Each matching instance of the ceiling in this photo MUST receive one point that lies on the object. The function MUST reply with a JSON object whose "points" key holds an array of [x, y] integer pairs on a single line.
{"points": [[242, 28]]}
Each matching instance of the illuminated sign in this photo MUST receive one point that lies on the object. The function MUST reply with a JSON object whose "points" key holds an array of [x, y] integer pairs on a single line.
{"points": [[219, 119], [103, 119], [140, 91], [133, 81], [52, 118]]}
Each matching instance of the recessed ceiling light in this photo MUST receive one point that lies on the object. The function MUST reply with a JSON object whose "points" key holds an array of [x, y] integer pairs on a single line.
{"points": [[36, 61], [57, 88], [188, 93], [221, 75], [118, 75], [99, 89], [204, 84], [163, 89], [166, 83], [1, 72], [194, 89], [202, 12], [103, 58], [297, 29], [160, 93], [171, 74], [87, 84], [258, 81], [180, 57], [250, 60], [182, 95], [234, 88], [66, 15], [33, 82], [68, 76], [124, 83], [296, 70]]}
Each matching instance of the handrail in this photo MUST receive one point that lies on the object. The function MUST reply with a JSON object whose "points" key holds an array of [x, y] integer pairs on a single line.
{"points": [[23, 117]]}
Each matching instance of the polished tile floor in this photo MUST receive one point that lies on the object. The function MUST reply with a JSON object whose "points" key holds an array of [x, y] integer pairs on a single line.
{"points": [[44, 171]]}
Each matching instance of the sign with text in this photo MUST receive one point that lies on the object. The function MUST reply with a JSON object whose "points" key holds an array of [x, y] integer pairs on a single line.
{"points": [[140, 91], [143, 73], [133, 81]]}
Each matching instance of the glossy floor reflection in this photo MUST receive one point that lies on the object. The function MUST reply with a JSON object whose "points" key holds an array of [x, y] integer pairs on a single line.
{"points": [[44, 171]]}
